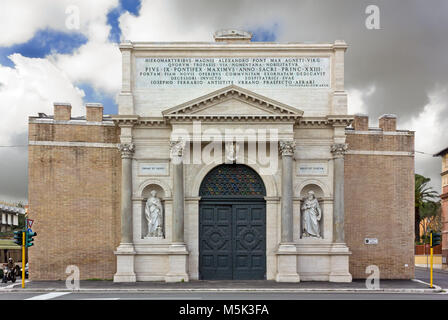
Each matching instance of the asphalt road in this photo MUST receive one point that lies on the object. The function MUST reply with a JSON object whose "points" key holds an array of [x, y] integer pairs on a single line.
{"points": [[440, 279], [220, 296]]}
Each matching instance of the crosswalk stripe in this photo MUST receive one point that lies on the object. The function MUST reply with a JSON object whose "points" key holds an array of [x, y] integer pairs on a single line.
{"points": [[48, 296]]}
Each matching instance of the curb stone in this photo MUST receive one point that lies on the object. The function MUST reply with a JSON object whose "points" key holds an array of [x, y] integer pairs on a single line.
{"points": [[233, 290], [436, 289]]}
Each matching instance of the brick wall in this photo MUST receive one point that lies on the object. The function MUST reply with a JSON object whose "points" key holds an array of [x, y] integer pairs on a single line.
{"points": [[74, 201], [444, 197], [379, 203]]}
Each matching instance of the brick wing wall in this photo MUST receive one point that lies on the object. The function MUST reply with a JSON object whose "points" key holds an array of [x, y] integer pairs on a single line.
{"points": [[379, 203], [74, 200]]}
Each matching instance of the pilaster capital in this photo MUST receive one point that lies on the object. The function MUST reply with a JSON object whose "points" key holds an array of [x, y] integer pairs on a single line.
{"points": [[339, 149], [177, 150], [287, 148], [127, 150]]}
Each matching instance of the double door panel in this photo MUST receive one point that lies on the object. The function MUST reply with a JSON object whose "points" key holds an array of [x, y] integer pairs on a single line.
{"points": [[232, 241]]}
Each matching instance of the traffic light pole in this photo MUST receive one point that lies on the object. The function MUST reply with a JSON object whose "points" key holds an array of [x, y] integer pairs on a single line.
{"points": [[23, 259], [431, 259]]}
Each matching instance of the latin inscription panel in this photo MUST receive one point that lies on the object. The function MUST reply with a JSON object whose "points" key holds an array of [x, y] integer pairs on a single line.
{"points": [[153, 169], [312, 169], [249, 72]]}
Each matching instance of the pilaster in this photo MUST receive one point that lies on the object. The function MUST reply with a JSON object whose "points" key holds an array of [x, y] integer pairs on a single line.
{"points": [[287, 251], [178, 256], [125, 252]]}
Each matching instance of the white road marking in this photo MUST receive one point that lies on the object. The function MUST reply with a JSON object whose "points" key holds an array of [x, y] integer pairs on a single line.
{"points": [[164, 298], [100, 299], [13, 285], [48, 296]]}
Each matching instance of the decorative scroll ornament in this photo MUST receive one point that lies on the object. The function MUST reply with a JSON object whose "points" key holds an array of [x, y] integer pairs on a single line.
{"points": [[126, 149], [287, 148], [232, 149], [339, 149]]}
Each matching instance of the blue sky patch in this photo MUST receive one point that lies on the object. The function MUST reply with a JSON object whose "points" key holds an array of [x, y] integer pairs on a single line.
{"points": [[132, 6], [265, 34], [95, 96], [44, 42]]}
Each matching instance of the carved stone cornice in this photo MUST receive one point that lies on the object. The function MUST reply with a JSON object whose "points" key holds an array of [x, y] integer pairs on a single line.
{"points": [[330, 120], [286, 148], [340, 120], [127, 150], [125, 120], [233, 118], [339, 149]]}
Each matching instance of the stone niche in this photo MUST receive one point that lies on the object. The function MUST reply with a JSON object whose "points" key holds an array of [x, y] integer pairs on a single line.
{"points": [[146, 193], [319, 194]]}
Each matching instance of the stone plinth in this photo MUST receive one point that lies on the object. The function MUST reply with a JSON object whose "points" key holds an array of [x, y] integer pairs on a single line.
{"points": [[178, 263], [287, 263], [125, 263]]}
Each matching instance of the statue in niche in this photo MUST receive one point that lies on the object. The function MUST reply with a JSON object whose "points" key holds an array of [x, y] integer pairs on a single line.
{"points": [[154, 215], [311, 215]]}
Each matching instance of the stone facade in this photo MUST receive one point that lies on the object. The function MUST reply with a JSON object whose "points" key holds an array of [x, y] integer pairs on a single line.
{"points": [[91, 177]]}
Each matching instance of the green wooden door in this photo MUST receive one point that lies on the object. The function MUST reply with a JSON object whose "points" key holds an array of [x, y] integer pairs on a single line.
{"points": [[232, 240]]}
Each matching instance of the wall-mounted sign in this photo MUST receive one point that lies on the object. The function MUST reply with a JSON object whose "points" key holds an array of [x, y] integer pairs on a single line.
{"points": [[251, 72], [371, 241], [312, 169], [153, 169]]}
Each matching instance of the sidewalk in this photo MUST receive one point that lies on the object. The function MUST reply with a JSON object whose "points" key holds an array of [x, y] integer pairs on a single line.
{"points": [[389, 286]]}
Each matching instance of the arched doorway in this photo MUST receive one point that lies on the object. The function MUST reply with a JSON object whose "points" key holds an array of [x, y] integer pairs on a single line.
{"points": [[232, 224]]}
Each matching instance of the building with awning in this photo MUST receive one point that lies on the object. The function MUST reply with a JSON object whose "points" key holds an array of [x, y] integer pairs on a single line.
{"points": [[9, 249], [9, 216]]}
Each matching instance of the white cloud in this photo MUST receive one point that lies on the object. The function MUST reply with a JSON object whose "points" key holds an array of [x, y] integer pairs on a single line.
{"points": [[31, 87], [20, 19], [164, 21], [429, 124], [96, 62], [431, 135], [34, 84], [157, 22], [356, 99]]}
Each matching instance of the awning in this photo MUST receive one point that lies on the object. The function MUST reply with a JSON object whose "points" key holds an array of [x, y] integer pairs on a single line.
{"points": [[9, 244]]}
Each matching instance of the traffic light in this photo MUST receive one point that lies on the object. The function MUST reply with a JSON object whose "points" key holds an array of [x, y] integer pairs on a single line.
{"points": [[436, 238], [29, 238], [18, 237]]}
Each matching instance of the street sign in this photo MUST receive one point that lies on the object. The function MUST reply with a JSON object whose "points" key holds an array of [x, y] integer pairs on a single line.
{"points": [[29, 223], [29, 230]]}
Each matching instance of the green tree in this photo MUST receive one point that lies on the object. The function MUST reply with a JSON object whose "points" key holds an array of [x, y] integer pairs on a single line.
{"points": [[430, 218], [426, 201]]}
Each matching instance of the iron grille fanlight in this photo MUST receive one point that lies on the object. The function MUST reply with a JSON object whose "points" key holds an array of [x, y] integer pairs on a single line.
{"points": [[232, 180]]}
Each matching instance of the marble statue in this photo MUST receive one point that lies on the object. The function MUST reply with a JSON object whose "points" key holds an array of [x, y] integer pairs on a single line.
{"points": [[154, 215], [311, 215]]}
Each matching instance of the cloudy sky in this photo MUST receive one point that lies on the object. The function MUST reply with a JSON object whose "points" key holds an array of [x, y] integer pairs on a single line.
{"points": [[46, 56]]}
